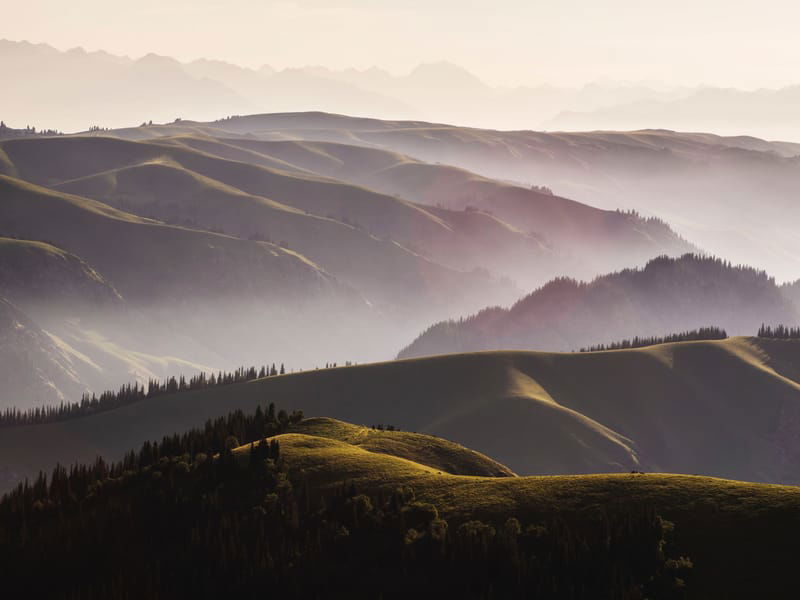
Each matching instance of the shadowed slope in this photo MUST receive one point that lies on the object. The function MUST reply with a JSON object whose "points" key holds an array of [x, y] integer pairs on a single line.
{"points": [[386, 273], [150, 260], [356, 233], [593, 239], [725, 408]]}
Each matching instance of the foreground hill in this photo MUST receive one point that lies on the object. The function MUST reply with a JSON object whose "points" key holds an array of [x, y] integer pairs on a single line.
{"points": [[666, 295], [712, 516], [263, 501], [724, 408]]}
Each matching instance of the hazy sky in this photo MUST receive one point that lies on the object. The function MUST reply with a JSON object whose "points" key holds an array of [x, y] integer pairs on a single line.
{"points": [[743, 43]]}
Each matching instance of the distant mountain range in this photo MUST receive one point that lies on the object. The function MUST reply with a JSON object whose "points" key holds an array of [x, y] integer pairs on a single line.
{"points": [[77, 89], [769, 113]]}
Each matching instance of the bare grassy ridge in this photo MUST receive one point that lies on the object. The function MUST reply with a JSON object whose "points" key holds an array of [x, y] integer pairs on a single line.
{"points": [[433, 452], [147, 258]]}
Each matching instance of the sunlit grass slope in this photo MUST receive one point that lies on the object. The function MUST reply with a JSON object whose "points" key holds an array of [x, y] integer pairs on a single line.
{"points": [[430, 451], [726, 408]]}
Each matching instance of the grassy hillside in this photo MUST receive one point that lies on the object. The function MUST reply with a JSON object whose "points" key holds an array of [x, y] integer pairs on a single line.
{"points": [[395, 252], [666, 295], [385, 272], [584, 240], [563, 221], [702, 183], [597, 239], [57, 160], [723, 408], [434, 452], [147, 260]]}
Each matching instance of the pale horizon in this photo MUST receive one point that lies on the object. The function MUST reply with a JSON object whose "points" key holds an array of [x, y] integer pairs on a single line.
{"points": [[722, 44]]}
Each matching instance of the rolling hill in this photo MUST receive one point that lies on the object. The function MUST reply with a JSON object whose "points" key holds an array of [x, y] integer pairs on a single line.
{"points": [[387, 274], [351, 231], [149, 260], [702, 184], [32, 273], [666, 295], [361, 477], [582, 239], [723, 408], [453, 217], [430, 451]]}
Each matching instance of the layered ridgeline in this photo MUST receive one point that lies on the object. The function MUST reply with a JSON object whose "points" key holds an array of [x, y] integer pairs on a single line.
{"points": [[666, 295], [702, 184], [217, 247], [264, 500], [320, 199], [725, 408]]}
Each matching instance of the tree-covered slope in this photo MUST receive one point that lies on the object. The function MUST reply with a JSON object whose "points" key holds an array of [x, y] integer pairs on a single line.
{"points": [[244, 504], [667, 295]]}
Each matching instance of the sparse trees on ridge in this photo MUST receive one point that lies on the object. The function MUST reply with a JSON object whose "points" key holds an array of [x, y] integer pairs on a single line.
{"points": [[130, 393], [704, 333]]}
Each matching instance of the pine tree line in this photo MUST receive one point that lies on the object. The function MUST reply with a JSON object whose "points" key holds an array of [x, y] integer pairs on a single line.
{"points": [[704, 333], [781, 332], [189, 517], [130, 393]]}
